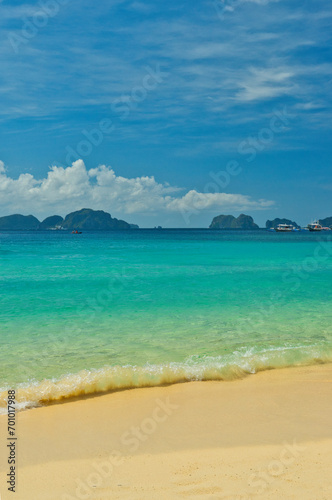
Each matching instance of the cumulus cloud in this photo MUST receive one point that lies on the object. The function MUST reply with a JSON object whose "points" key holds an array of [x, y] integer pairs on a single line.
{"points": [[67, 189]]}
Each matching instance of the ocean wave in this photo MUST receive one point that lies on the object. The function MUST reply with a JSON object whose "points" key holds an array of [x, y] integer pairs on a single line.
{"points": [[196, 368]]}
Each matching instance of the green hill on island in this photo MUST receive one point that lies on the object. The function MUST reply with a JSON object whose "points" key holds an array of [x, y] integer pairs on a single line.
{"points": [[85, 219], [272, 224], [326, 222], [51, 222], [19, 222], [93, 220], [230, 222]]}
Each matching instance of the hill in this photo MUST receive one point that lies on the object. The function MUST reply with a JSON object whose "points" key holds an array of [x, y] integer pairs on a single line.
{"points": [[326, 222], [85, 219], [93, 220], [50, 222], [19, 222], [231, 222], [275, 222]]}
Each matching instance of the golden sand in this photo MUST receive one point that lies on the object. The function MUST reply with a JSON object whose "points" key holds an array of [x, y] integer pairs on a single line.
{"points": [[268, 436]]}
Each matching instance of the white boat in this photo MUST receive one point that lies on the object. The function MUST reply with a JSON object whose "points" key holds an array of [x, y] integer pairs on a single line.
{"points": [[315, 226], [284, 228]]}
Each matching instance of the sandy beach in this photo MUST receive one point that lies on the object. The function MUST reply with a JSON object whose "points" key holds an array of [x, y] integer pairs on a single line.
{"points": [[266, 436]]}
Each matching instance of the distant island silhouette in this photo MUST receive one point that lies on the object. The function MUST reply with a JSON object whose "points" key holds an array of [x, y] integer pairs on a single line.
{"points": [[230, 222], [87, 219]]}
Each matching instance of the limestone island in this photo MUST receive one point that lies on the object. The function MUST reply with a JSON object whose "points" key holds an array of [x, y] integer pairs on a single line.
{"points": [[230, 222], [85, 219]]}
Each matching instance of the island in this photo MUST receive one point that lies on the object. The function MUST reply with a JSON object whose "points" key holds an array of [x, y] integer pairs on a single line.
{"points": [[52, 222], [326, 222], [85, 219], [19, 222], [93, 220], [273, 224], [230, 222]]}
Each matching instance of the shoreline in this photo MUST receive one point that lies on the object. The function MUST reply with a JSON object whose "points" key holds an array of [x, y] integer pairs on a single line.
{"points": [[109, 380], [264, 436]]}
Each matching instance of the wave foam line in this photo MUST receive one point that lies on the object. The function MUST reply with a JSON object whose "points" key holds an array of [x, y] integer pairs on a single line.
{"points": [[112, 378]]}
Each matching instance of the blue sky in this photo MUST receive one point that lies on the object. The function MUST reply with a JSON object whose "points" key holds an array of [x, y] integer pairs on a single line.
{"points": [[179, 111]]}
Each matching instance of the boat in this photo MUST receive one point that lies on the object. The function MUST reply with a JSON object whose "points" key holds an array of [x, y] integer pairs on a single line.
{"points": [[284, 228], [315, 226], [76, 232]]}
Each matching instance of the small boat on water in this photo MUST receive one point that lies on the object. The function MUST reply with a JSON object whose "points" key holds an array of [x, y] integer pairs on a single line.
{"points": [[285, 228], [76, 232], [315, 226]]}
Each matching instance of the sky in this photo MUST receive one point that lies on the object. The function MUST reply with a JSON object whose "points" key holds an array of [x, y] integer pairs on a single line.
{"points": [[166, 113]]}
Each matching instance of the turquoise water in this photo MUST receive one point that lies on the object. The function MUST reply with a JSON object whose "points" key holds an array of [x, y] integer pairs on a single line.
{"points": [[100, 311]]}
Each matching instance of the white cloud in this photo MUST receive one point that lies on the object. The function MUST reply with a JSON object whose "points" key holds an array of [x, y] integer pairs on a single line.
{"points": [[204, 57], [265, 83], [75, 187], [259, 2], [203, 201]]}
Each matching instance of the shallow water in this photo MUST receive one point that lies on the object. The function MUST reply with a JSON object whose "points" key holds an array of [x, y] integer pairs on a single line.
{"points": [[99, 311]]}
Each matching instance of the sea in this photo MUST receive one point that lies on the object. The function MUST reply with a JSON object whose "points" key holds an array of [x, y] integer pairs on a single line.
{"points": [[104, 311]]}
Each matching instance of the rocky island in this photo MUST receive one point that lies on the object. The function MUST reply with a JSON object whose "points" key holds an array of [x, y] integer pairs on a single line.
{"points": [[93, 220], [51, 223], [85, 219], [326, 222], [19, 222], [272, 224], [230, 222]]}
